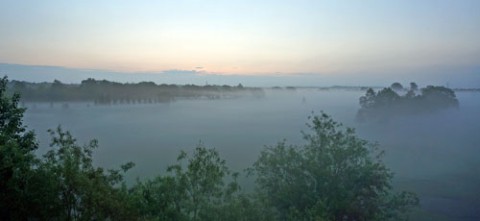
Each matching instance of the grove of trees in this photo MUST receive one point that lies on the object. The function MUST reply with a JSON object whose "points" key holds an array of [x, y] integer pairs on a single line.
{"points": [[389, 102], [333, 176], [103, 92]]}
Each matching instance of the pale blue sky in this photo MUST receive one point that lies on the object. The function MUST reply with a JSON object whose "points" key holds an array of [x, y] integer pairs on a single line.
{"points": [[243, 37]]}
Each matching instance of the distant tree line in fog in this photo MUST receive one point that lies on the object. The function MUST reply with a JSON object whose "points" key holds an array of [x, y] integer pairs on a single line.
{"points": [[333, 176], [397, 100], [108, 92]]}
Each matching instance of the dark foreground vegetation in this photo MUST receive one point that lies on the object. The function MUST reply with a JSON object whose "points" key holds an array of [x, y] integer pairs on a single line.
{"points": [[396, 100], [107, 92], [333, 176]]}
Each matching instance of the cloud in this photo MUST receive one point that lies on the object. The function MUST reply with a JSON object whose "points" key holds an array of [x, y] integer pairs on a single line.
{"points": [[177, 72]]}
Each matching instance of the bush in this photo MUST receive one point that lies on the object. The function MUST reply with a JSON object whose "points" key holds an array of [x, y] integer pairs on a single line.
{"points": [[334, 176]]}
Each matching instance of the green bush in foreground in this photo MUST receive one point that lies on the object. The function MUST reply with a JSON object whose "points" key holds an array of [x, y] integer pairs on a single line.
{"points": [[334, 176]]}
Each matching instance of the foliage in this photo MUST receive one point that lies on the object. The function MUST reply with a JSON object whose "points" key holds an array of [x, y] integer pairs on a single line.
{"points": [[386, 102], [64, 185], [396, 86], [439, 97], [79, 190], [202, 183], [196, 192], [334, 176], [413, 86], [16, 157]]}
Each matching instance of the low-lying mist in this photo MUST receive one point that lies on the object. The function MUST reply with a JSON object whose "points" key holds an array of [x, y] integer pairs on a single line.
{"points": [[432, 154], [436, 156]]}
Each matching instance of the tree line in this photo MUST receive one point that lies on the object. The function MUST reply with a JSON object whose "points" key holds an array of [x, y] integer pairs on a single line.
{"points": [[334, 175], [397, 100], [105, 92]]}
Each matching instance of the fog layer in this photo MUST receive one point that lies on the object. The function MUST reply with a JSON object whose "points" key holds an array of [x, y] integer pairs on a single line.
{"points": [[434, 155]]}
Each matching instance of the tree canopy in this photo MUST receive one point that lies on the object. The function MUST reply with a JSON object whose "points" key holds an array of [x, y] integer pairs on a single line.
{"points": [[387, 102], [196, 191], [334, 176], [396, 86]]}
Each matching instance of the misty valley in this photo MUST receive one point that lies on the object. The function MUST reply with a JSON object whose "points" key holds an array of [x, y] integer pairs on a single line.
{"points": [[239, 110], [429, 136]]}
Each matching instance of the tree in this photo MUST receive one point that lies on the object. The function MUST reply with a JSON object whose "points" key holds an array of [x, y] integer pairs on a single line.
{"points": [[158, 199], [334, 176], [16, 157], [386, 97], [396, 86], [413, 86], [439, 97], [387, 103], [195, 192], [412, 90], [368, 100], [79, 190]]}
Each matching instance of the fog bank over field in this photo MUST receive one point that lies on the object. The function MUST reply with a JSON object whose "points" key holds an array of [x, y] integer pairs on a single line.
{"points": [[436, 156], [433, 154], [240, 110]]}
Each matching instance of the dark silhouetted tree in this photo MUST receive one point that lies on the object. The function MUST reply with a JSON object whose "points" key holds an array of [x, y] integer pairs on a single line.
{"points": [[439, 97], [387, 102], [396, 86], [413, 86], [368, 100]]}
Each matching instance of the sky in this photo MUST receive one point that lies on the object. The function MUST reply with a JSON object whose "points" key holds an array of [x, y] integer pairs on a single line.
{"points": [[341, 39]]}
